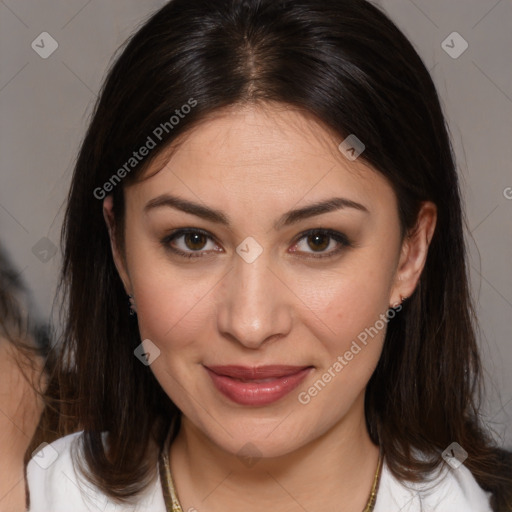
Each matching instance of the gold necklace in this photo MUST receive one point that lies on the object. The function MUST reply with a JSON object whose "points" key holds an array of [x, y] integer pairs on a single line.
{"points": [[172, 503]]}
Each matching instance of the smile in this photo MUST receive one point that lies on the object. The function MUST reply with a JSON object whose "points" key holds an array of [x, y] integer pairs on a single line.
{"points": [[257, 386]]}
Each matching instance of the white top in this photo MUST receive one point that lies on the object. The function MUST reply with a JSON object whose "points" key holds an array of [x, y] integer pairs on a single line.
{"points": [[54, 486]]}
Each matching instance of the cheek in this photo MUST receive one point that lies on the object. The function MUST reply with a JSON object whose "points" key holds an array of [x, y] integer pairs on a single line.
{"points": [[168, 309], [172, 306], [352, 307], [347, 303], [350, 347], [166, 301]]}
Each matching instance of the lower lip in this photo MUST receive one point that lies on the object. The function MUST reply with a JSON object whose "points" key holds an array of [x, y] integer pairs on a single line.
{"points": [[257, 393]]}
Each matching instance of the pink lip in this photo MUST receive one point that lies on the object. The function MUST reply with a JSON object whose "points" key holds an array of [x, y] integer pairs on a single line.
{"points": [[245, 385]]}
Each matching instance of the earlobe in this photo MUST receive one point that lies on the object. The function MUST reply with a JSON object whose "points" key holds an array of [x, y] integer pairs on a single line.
{"points": [[414, 253], [108, 215]]}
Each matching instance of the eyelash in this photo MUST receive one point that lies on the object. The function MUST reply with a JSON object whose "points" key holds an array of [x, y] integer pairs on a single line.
{"points": [[342, 240]]}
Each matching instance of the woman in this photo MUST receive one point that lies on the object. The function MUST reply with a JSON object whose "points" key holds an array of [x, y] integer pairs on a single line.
{"points": [[268, 302], [24, 342]]}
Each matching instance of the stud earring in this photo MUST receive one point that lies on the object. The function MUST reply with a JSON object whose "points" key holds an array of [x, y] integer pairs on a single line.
{"points": [[133, 308], [399, 303]]}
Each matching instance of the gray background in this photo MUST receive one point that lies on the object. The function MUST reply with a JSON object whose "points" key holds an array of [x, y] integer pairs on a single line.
{"points": [[45, 105]]}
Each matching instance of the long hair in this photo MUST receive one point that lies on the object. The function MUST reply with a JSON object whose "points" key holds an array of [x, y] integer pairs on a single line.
{"points": [[347, 64]]}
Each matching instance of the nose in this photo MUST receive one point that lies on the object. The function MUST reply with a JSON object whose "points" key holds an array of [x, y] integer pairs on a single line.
{"points": [[254, 305]]}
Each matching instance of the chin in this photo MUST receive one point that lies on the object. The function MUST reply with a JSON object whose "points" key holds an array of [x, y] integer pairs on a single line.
{"points": [[252, 439]]}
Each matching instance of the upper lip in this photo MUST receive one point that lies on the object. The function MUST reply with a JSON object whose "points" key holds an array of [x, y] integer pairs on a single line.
{"points": [[256, 372]]}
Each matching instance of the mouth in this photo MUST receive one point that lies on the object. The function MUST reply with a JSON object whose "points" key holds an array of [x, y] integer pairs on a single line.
{"points": [[257, 385]]}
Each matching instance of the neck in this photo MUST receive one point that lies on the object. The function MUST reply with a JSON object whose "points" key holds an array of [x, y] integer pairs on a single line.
{"points": [[333, 472]]}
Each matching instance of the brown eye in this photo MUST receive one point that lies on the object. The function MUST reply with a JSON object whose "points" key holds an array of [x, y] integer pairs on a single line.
{"points": [[189, 243], [192, 243], [195, 241], [318, 242]]}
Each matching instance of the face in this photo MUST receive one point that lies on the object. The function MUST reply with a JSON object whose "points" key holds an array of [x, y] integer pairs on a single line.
{"points": [[255, 285]]}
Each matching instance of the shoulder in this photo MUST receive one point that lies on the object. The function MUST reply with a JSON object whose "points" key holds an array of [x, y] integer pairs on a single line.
{"points": [[55, 483], [451, 490]]}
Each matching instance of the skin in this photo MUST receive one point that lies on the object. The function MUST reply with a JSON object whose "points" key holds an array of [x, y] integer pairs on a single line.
{"points": [[20, 408], [255, 163]]}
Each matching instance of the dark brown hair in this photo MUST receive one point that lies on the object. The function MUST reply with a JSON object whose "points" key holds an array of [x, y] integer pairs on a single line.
{"points": [[347, 64]]}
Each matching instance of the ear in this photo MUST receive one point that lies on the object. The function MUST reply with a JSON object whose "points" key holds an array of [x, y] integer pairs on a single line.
{"points": [[413, 255], [119, 260]]}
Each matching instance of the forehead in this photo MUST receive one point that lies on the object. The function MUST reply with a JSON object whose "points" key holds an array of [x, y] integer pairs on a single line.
{"points": [[258, 135], [268, 154]]}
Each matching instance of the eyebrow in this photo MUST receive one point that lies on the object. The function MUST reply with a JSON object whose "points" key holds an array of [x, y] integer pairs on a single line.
{"points": [[219, 217]]}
